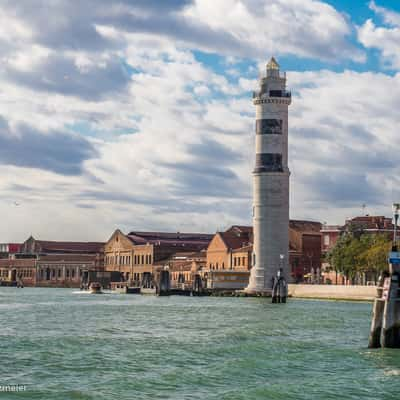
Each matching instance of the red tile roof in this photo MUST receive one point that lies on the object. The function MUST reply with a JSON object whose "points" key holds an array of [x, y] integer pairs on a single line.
{"points": [[235, 240], [198, 240], [69, 247], [305, 226], [239, 237]]}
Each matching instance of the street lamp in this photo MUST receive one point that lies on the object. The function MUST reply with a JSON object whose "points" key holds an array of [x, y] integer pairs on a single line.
{"points": [[310, 257], [281, 258], [396, 211]]}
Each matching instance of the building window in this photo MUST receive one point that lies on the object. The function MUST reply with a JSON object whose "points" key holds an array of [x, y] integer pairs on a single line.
{"points": [[149, 258], [59, 273], [142, 259], [326, 240], [73, 273]]}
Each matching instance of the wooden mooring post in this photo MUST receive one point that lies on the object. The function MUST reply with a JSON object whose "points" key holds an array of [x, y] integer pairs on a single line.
{"points": [[385, 326]]}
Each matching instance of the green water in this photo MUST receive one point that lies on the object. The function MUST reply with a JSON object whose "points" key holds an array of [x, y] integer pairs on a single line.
{"points": [[62, 344]]}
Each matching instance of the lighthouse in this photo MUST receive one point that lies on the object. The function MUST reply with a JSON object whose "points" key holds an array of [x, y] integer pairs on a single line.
{"points": [[270, 182]]}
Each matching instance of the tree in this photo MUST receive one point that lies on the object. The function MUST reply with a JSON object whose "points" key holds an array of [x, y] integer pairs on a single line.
{"points": [[374, 258], [360, 255], [337, 256]]}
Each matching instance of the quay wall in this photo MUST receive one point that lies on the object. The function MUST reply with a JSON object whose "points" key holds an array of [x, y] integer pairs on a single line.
{"points": [[333, 292]]}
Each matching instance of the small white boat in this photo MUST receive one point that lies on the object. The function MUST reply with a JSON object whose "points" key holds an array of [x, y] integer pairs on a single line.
{"points": [[95, 288], [152, 290]]}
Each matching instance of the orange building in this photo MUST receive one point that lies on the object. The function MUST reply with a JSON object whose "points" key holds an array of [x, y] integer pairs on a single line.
{"points": [[229, 254], [138, 255]]}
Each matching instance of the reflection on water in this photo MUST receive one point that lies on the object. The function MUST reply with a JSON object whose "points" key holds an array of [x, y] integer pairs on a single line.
{"points": [[69, 346]]}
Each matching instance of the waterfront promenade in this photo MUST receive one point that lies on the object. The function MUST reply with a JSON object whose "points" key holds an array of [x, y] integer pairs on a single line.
{"points": [[64, 344], [333, 292]]}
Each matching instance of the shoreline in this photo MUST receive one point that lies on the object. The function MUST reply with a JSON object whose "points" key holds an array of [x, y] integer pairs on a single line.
{"points": [[333, 292]]}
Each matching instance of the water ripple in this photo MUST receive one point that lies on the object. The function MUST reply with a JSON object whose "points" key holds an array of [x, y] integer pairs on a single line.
{"points": [[63, 345]]}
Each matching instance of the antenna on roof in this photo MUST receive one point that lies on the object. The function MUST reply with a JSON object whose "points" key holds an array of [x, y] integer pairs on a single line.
{"points": [[363, 209]]}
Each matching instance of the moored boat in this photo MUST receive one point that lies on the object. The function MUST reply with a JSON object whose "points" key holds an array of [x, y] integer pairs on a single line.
{"points": [[95, 288]]}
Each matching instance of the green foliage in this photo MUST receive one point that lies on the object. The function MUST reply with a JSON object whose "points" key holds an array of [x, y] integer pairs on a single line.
{"points": [[364, 253]]}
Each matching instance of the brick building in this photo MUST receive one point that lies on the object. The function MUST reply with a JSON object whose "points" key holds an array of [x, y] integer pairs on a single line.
{"points": [[358, 225], [18, 270], [51, 263], [184, 266], [229, 254], [138, 255], [304, 250]]}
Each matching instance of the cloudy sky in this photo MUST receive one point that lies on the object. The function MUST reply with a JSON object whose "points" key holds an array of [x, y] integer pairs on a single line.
{"points": [[137, 114]]}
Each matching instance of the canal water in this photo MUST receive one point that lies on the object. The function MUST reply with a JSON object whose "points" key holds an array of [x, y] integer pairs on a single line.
{"points": [[62, 344]]}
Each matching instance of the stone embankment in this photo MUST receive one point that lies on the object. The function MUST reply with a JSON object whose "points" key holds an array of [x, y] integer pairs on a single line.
{"points": [[333, 292]]}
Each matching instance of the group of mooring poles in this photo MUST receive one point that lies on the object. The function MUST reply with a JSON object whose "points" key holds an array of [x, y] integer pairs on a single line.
{"points": [[279, 288], [385, 326]]}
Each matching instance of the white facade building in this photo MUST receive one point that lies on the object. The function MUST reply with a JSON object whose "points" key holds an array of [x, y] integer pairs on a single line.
{"points": [[270, 181]]}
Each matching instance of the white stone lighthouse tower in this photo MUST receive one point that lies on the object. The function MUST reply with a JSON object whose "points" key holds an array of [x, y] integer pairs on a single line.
{"points": [[270, 182]]}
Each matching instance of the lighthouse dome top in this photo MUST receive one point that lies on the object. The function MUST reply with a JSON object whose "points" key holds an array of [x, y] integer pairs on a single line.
{"points": [[272, 64]]}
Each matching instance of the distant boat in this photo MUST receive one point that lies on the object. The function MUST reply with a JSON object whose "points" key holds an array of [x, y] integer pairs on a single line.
{"points": [[151, 290], [95, 288]]}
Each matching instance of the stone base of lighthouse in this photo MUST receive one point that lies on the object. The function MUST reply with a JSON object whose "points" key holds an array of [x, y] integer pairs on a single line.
{"points": [[271, 231]]}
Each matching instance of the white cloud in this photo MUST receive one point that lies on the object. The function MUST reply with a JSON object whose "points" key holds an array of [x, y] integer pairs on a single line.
{"points": [[390, 17], [174, 139], [384, 38], [343, 130], [307, 28]]}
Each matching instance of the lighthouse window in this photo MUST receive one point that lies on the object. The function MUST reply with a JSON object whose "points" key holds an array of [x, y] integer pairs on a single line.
{"points": [[275, 93], [271, 162], [269, 127]]}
